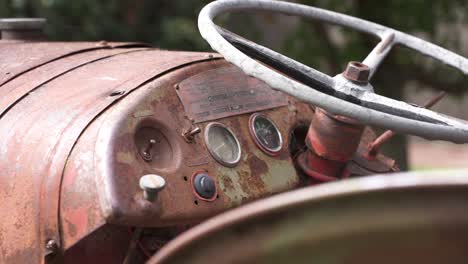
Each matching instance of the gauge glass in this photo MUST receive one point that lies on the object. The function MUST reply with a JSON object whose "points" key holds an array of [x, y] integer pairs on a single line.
{"points": [[222, 144], [266, 134]]}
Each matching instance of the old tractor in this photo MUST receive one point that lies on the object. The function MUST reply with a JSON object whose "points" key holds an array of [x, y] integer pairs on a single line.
{"points": [[124, 153]]}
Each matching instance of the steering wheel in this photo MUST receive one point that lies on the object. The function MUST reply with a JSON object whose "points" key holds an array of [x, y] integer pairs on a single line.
{"points": [[337, 95]]}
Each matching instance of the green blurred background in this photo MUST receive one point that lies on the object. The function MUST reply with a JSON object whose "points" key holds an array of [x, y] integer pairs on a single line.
{"points": [[171, 24]]}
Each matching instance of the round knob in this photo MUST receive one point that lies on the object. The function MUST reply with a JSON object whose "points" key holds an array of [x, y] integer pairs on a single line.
{"points": [[151, 184], [204, 186]]}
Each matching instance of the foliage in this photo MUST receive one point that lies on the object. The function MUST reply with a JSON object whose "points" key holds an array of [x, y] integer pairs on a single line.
{"points": [[165, 23], [434, 22]]}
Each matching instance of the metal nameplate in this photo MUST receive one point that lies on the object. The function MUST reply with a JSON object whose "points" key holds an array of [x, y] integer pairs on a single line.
{"points": [[224, 92]]}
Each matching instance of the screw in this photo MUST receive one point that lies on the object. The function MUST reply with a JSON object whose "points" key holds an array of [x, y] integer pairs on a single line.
{"points": [[357, 72], [151, 184], [51, 247]]}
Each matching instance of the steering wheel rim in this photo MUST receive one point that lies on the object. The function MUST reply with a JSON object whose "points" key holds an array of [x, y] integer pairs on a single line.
{"points": [[371, 109]]}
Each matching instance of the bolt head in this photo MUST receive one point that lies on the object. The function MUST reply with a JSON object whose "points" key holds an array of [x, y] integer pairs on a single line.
{"points": [[51, 245], [51, 248], [357, 72]]}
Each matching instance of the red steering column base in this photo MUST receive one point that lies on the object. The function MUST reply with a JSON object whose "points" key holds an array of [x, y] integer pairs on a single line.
{"points": [[332, 141]]}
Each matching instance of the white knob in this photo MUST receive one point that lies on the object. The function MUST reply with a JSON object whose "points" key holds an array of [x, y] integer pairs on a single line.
{"points": [[151, 184]]}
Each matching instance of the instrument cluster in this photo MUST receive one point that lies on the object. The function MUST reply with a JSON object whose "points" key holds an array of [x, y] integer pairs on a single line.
{"points": [[225, 148]]}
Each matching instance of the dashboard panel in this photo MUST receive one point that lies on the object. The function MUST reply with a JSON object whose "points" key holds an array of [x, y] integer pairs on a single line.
{"points": [[208, 146], [210, 162]]}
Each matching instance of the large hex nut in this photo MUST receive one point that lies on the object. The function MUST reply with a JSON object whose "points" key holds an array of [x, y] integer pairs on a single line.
{"points": [[357, 72]]}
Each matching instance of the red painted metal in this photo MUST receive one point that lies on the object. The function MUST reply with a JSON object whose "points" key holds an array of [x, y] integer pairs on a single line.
{"points": [[360, 164], [106, 158], [16, 89], [333, 137], [319, 169], [18, 58], [119, 164], [80, 212], [38, 133], [331, 141], [71, 160]]}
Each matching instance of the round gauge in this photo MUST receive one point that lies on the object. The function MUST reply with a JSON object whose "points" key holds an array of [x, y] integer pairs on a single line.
{"points": [[265, 134], [222, 144]]}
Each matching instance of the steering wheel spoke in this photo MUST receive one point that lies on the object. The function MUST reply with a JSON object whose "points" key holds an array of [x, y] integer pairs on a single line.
{"points": [[379, 53]]}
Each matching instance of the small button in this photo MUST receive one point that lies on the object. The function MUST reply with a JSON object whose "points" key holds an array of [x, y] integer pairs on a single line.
{"points": [[204, 186]]}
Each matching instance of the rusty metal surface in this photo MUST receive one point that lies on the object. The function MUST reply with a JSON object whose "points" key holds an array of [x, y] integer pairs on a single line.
{"points": [[362, 164], [322, 170], [408, 218], [17, 58], [19, 87], [207, 96], [319, 169], [332, 138], [331, 142], [357, 72], [119, 163], [74, 133], [38, 133], [80, 213]]}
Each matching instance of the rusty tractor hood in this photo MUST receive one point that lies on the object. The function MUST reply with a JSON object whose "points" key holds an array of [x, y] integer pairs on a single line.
{"points": [[51, 92]]}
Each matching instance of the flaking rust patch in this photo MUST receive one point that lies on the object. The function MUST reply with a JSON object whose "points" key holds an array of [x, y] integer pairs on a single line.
{"points": [[229, 183]]}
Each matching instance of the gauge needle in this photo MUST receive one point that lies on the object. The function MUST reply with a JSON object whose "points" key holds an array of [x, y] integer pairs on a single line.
{"points": [[218, 147]]}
